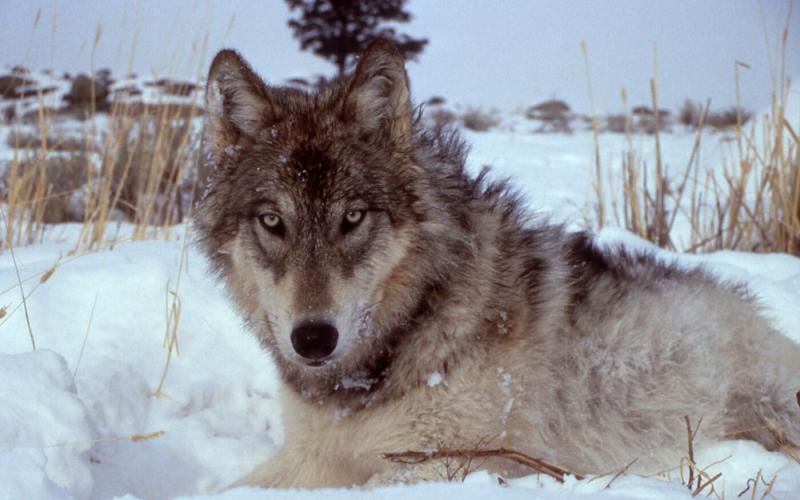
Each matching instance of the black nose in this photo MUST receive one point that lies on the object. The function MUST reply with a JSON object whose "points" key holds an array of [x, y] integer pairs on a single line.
{"points": [[314, 340]]}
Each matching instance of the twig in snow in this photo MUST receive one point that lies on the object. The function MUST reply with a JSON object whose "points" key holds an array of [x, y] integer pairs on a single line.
{"points": [[538, 465]]}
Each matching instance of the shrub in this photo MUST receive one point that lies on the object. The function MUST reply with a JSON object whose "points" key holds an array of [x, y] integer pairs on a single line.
{"points": [[727, 119], [479, 120], [548, 110], [441, 117], [553, 115], [87, 95], [689, 114], [616, 123]]}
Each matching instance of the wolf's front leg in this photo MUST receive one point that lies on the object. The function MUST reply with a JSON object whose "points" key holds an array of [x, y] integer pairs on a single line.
{"points": [[278, 472], [432, 470], [295, 468]]}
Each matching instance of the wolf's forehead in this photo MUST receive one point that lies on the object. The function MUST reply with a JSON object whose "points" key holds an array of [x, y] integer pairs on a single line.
{"points": [[312, 166], [305, 176]]}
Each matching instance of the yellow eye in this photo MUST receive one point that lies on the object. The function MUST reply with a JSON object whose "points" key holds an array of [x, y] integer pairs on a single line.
{"points": [[273, 224], [270, 220], [354, 216]]}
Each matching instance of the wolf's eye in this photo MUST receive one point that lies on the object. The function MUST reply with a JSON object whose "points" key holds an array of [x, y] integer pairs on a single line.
{"points": [[352, 219], [272, 223]]}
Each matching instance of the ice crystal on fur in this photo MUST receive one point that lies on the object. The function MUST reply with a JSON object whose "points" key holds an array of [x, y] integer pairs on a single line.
{"points": [[356, 382], [505, 381], [434, 379]]}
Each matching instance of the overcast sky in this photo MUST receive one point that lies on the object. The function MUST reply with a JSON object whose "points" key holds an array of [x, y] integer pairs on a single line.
{"points": [[494, 53]]}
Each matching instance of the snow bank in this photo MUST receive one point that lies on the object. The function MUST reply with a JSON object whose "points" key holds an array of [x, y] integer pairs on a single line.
{"points": [[44, 427], [215, 417]]}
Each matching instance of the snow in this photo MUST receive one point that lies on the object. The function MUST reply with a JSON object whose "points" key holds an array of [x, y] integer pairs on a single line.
{"points": [[434, 379], [28, 380], [356, 383], [482, 485], [101, 428], [216, 409]]}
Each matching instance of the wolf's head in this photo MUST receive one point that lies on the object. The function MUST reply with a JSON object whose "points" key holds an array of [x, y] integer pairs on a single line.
{"points": [[318, 217]]}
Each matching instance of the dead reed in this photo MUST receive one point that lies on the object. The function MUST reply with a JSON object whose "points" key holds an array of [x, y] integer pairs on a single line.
{"points": [[130, 161], [751, 202]]}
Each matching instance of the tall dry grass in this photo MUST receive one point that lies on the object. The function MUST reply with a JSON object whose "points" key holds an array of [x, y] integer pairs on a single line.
{"points": [[751, 202], [141, 167], [144, 172], [132, 160], [138, 162]]}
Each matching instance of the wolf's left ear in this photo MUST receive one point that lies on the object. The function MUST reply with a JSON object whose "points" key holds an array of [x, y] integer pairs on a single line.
{"points": [[238, 103], [377, 97]]}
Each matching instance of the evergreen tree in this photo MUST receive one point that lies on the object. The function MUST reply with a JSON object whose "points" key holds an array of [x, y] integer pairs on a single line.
{"points": [[339, 30]]}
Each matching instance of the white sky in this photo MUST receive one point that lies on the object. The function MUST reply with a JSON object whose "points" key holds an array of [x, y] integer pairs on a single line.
{"points": [[482, 52]]}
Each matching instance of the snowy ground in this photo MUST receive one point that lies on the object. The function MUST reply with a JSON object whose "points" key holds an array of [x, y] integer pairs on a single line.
{"points": [[81, 416]]}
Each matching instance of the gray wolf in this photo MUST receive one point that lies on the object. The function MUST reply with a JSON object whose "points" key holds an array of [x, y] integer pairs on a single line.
{"points": [[411, 306]]}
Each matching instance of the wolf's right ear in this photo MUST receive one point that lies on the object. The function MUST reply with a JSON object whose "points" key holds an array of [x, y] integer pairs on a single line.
{"points": [[377, 97], [238, 103]]}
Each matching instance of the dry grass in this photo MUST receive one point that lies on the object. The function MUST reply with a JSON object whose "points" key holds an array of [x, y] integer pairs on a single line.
{"points": [[8, 313], [62, 174], [750, 203], [138, 163], [697, 479], [85, 338], [146, 163], [600, 210], [129, 160], [21, 289], [139, 169], [173, 313], [760, 187], [135, 438], [535, 464], [758, 487]]}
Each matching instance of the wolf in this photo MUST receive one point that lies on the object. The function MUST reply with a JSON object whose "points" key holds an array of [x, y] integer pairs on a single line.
{"points": [[410, 305]]}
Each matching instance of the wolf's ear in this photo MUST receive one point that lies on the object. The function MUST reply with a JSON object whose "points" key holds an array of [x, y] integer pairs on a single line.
{"points": [[377, 97], [238, 103]]}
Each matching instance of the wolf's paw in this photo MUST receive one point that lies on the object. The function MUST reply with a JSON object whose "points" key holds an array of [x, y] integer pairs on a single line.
{"points": [[407, 474]]}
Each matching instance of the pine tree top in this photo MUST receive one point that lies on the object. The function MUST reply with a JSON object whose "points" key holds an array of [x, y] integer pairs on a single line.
{"points": [[339, 30]]}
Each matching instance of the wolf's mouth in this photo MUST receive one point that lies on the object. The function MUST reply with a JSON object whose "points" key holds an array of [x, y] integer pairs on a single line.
{"points": [[316, 364]]}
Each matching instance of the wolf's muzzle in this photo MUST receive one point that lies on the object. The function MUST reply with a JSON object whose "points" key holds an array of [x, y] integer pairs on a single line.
{"points": [[314, 341]]}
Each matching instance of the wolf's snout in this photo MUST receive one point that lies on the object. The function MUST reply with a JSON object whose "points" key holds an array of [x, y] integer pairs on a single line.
{"points": [[314, 341]]}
